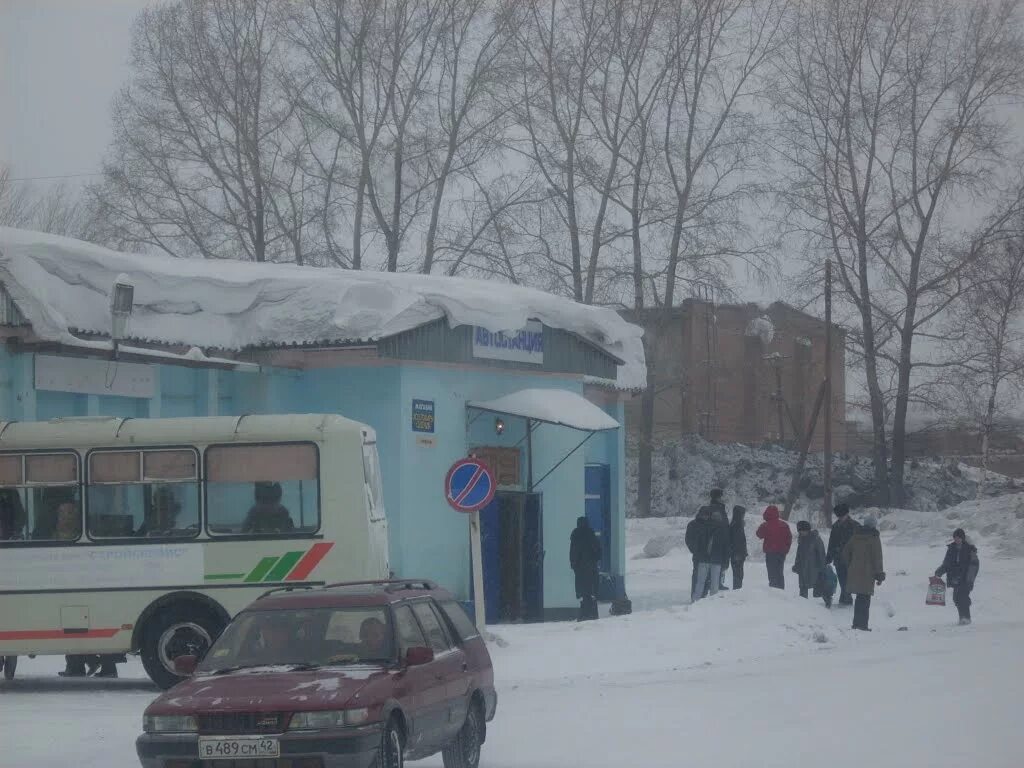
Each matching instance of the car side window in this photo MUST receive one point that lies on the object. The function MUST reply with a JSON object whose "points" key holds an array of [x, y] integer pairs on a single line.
{"points": [[432, 627], [409, 633], [460, 622]]}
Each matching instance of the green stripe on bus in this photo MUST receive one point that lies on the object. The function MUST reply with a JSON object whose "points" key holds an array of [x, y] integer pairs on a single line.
{"points": [[257, 573], [284, 565], [223, 576]]}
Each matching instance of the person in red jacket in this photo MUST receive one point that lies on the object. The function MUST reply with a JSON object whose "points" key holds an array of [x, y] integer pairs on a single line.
{"points": [[777, 540]]}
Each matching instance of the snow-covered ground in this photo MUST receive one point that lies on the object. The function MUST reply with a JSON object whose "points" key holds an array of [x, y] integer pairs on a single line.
{"points": [[751, 678]]}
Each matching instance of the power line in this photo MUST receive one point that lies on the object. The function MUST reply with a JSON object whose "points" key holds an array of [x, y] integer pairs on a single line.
{"points": [[58, 176]]}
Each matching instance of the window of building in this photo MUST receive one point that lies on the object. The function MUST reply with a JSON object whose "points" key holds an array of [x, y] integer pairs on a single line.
{"points": [[435, 632], [39, 497], [143, 494], [268, 490]]}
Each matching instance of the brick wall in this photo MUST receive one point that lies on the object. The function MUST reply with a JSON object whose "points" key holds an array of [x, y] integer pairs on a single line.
{"points": [[727, 394]]}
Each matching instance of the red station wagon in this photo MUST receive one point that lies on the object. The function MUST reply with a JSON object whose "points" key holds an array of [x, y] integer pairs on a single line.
{"points": [[343, 676]]}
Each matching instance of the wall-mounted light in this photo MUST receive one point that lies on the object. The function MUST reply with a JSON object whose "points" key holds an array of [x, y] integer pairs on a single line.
{"points": [[499, 426], [122, 301]]}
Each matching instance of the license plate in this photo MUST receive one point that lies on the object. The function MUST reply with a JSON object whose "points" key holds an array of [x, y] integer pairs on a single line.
{"points": [[232, 747]]}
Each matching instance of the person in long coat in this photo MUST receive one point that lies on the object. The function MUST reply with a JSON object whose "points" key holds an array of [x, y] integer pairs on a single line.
{"points": [[862, 557], [810, 561], [584, 559], [709, 540], [739, 552], [843, 528]]}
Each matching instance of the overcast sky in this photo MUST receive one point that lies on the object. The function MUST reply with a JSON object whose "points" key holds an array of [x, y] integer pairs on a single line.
{"points": [[61, 62]]}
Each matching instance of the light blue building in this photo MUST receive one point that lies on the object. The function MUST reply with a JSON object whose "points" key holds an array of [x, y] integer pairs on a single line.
{"points": [[442, 368]]}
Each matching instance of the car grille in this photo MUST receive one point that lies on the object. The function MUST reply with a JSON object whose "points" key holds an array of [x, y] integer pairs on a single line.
{"points": [[230, 723], [263, 763]]}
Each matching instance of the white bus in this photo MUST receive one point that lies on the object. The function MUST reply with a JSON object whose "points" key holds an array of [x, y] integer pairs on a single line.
{"points": [[147, 535]]}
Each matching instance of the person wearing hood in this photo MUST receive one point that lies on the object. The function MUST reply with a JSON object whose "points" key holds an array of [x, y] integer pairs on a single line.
{"points": [[738, 535], [777, 540], [960, 567], [708, 539], [810, 561], [862, 557], [584, 558], [843, 528]]}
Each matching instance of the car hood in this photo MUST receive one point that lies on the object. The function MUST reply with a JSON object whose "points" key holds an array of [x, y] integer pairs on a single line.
{"points": [[266, 689]]}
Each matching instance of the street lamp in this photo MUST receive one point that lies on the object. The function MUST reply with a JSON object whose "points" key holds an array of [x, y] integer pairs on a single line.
{"points": [[122, 300]]}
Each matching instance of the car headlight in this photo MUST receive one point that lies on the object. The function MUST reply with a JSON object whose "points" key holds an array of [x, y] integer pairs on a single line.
{"points": [[169, 724], [335, 718]]}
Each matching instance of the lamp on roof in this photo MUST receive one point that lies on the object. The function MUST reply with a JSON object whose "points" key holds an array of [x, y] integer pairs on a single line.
{"points": [[122, 300]]}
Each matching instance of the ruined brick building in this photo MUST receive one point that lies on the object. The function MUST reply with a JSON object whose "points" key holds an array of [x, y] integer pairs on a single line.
{"points": [[721, 367]]}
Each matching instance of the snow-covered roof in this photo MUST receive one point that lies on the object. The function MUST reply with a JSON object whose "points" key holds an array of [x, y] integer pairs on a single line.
{"points": [[62, 287], [552, 406]]}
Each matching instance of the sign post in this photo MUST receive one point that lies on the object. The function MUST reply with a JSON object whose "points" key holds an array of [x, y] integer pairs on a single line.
{"points": [[469, 487]]}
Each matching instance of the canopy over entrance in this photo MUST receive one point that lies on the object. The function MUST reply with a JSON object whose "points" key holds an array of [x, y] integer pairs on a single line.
{"points": [[551, 406], [548, 406]]}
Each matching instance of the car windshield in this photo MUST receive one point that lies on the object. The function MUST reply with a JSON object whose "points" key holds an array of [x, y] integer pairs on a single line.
{"points": [[310, 637]]}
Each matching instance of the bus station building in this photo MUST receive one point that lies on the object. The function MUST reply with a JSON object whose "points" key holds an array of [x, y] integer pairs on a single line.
{"points": [[442, 368]]}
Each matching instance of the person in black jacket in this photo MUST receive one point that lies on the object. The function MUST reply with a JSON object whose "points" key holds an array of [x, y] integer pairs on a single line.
{"points": [[708, 539], [738, 553], [960, 566], [584, 558], [842, 531]]}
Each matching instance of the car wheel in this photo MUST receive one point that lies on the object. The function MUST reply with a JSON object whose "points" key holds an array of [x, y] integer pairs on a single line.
{"points": [[392, 751], [178, 631], [464, 751], [10, 663]]}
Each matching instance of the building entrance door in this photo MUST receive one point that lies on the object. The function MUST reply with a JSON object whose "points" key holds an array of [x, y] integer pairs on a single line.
{"points": [[512, 542]]}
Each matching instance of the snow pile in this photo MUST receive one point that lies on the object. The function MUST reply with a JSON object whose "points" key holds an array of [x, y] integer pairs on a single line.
{"points": [[685, 471], [62, 287], [556, 406], [995, 525]]}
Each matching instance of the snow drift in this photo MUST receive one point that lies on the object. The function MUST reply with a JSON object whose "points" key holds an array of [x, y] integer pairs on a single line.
{"points": [[62, 287]]}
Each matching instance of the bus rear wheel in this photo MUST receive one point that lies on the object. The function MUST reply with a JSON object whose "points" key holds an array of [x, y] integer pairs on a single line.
{"points": [[180, 630]]}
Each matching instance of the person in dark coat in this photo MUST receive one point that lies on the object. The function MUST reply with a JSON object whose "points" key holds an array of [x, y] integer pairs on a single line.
{"points": [[709, 540], [268, 515], [843, 528], [777, 540], [862, 557], [584, 559], [810, 562], [960, 567], [739, 545]]}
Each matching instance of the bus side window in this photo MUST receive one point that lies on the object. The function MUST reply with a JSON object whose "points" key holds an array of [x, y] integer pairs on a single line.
{"points": [[262, 490], [39, 497], [143, 494]]}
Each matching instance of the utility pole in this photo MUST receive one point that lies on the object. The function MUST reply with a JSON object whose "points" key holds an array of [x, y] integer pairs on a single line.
{"points": [[826, 512]]}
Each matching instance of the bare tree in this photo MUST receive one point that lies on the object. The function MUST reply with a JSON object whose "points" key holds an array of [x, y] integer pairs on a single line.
{"points": [[706, 138], [374, 63], [560, 46], [988, 351], [203, 159], [890, 120], [17, 206]]}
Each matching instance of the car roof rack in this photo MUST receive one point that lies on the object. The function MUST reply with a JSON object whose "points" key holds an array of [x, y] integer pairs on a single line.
{"points": [[283, 589], [390, 585]]}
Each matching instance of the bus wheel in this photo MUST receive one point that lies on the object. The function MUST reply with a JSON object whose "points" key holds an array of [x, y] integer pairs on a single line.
{"points": [[180, 630], [10, 663]]}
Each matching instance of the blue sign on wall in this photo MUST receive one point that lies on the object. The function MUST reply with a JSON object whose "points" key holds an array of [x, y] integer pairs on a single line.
{"points": [[422, 415]]}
